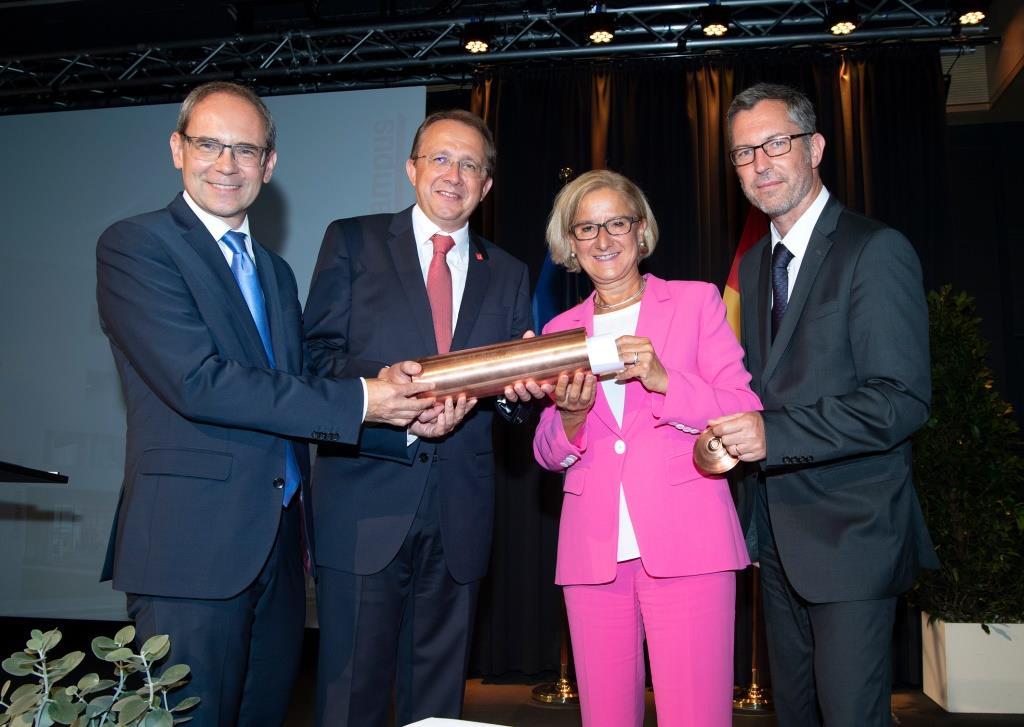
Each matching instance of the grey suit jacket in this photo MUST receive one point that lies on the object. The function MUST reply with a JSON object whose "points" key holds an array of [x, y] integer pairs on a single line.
{"points": [[844, 386]]}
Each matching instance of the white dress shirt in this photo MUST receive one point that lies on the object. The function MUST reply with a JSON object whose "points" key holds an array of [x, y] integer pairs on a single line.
{"points": [[798, 238], [620, 323]]}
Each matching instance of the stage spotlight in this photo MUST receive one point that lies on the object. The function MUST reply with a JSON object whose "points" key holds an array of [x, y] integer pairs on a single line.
{"points": [[714, 19], [476, 37], [842, 18], [969, 12], [599, 27]]}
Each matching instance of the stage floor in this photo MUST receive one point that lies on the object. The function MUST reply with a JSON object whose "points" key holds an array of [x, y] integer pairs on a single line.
{"points": [[511, 705]]}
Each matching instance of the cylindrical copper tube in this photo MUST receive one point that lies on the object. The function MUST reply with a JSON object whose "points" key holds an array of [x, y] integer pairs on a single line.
{"points": [[710, 456], [487, 370]]}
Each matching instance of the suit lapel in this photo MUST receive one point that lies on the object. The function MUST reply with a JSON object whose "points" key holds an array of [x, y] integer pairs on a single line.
{"points": [[585, 318], [402, 249], [285, 355], [478, 280], [764, 308], [654, 323], [817, 250], [218, 275]]}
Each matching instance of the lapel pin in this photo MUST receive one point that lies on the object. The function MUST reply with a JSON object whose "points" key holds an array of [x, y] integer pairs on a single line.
{"points": [[480, 256]]}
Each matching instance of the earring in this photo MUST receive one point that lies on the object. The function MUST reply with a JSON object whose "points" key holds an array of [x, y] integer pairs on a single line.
{"points": [[572, 254], [643, 246]]}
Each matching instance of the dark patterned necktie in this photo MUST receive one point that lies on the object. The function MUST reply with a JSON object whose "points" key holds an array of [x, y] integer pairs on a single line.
{"points": [[781, 256]]}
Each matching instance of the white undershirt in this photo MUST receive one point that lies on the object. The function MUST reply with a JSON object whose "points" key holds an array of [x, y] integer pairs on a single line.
{"points": [[620, 323]]}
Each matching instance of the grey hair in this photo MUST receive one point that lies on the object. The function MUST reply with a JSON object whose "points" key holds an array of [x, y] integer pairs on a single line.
{"points": [[798, 106], [199, 93]]}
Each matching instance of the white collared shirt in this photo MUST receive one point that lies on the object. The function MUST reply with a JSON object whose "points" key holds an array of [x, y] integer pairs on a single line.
{"points": [[217, 227], [799, 237], [458, 257]]}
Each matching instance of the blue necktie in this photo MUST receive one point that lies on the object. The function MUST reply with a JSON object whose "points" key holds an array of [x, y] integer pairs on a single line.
{"points": [[780, 285], [249, 283]]}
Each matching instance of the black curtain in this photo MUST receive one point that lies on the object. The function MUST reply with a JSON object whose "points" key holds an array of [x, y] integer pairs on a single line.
{"points": [[662, 123]]}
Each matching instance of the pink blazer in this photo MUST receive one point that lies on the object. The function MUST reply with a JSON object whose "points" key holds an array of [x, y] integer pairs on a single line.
{"points": [[685, 522]]}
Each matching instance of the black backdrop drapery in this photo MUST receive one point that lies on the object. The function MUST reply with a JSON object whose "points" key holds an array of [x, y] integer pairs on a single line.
{"points": [[662, 123]]}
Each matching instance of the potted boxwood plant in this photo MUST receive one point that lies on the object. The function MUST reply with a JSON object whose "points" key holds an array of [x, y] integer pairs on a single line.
{"points": [[970, 478]]}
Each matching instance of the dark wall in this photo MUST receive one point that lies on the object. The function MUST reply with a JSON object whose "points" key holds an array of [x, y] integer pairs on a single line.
{"points": [[984, 255]]}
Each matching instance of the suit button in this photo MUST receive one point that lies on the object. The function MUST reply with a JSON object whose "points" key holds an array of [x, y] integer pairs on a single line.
{"points": [[620, 446], [278, 482], [424, 457]]}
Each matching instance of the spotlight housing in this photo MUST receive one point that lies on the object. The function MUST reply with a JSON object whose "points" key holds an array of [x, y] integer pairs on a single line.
{"points": [[842, 18], [599, 27], [477, 37], [714, 20]]}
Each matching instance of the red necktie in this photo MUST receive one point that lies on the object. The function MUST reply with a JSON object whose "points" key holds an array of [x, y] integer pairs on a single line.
{"points": [[439, 292]]}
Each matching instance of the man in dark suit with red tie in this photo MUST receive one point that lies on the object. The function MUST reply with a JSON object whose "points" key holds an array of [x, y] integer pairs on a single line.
{"points": [[205, 327], [835, 330], [403, 540]]}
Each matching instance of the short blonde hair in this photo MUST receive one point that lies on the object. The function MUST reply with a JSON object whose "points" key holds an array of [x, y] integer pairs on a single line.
{"points": [[567, 204]]}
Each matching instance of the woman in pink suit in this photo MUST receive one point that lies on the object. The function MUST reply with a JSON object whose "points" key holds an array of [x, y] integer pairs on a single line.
{"points": [[647, 545]]}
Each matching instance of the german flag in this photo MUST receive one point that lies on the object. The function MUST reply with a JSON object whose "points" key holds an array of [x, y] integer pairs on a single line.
{"points": [[754, 229]]}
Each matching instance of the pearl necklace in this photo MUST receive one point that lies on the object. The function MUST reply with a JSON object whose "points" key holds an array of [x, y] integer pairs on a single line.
{"points": [[600, 305]]}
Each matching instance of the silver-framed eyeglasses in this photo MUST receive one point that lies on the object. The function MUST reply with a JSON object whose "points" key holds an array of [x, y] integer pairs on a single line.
{"points": [[741, 156], [208, 150], [442, 163], [615, 226]]}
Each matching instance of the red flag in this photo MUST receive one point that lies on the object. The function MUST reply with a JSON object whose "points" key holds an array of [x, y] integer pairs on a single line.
{"points": [[754, 229]]}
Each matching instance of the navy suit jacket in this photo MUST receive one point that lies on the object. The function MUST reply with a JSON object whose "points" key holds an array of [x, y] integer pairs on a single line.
{"points": [[844, 386], [208, 420], [368, 308]]}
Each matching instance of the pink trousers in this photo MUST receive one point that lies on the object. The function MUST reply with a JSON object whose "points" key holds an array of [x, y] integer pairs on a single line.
{"points": [[688, 622]]}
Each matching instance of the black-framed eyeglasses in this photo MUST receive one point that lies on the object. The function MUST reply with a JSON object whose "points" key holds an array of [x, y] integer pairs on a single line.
{"points": [[442, 163], [208, 150], [741, 156], [615, 226]]}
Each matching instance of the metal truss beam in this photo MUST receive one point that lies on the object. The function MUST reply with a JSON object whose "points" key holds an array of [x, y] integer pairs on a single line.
{"points": [[430, 51]]}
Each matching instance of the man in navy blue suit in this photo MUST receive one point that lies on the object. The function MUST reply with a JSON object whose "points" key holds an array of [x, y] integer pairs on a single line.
{"points": [[403, 539], [206, 331]]}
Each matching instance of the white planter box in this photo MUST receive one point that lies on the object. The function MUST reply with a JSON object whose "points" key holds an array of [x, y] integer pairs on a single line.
{"points": [[967, 670]]}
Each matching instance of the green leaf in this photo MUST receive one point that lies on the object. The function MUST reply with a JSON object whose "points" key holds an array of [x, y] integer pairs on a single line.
{"points": [[173, 675], [16, 667], [89, 681], [99, 705], [62, 712], [31, 688], [125, 635], [156, 647], [186, 703], [120, 654], [25, 703], [158, 718], [130, 709], [101, 685]]}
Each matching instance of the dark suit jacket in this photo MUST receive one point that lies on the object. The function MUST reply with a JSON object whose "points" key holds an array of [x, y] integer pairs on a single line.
{"points": [[844, 386], [208, 421], [368, 308]]}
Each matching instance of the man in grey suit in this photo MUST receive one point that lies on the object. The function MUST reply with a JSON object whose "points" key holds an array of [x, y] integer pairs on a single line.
{"points": [[206, 331], [835, 329]]}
